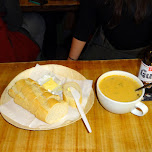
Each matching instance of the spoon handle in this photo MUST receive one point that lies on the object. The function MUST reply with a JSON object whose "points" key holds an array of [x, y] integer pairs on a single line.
{"points": [[145, 86]]}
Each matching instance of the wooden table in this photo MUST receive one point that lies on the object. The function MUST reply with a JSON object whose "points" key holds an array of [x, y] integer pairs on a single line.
{"points": [[110, 132], [53, 5]]}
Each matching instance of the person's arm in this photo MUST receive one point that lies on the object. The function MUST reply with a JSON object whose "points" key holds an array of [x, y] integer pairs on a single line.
{"points": [[76, 49], [84, 28]]}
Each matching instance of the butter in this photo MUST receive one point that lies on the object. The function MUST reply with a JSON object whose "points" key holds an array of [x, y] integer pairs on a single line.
{"points": [[50, 84], [69, 89]]}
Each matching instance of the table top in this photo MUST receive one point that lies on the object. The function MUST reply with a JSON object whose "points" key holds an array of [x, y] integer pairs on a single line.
{"points": [[50, 6], [110, 132]]}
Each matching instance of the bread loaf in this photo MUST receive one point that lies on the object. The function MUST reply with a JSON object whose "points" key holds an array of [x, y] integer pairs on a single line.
{"points": [[67, 95], [31, 96]]}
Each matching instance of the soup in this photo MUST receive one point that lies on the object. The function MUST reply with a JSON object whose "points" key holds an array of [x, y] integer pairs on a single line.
{"points": [[120, 88]]}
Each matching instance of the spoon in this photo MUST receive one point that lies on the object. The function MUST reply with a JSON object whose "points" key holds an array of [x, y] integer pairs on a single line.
{"points": [[145, 86]]}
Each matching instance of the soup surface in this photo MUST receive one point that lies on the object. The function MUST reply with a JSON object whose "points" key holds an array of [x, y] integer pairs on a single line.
{"points": [[120, 88]]}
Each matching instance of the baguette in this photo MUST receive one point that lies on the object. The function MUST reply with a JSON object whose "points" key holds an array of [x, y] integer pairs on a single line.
{"points": [[31, 96], [67, 95]]}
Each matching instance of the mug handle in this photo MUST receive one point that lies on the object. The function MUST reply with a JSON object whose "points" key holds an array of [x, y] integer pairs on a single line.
{"points": [[143, 109]]}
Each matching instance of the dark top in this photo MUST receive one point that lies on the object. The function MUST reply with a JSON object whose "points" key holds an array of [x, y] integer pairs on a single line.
{"points": [[127, 35], [11, 13], [13, 16]]}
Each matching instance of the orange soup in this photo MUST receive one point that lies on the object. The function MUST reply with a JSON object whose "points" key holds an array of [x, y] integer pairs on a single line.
{"points": [[120, 88]]}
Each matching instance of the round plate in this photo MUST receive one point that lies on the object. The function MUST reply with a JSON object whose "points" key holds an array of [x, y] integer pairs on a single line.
{"points": [[57, 69]]}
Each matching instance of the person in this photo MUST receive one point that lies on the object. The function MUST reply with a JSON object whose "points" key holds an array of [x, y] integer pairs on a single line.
{"points": [[119, 29], [21, 33]]}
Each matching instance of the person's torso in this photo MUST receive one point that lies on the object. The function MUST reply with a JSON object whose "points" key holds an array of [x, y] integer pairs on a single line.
{"points": [[127, 34]]}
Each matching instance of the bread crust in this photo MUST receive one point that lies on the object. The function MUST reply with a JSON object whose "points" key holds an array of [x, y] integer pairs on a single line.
{"points": [[31, 96]]}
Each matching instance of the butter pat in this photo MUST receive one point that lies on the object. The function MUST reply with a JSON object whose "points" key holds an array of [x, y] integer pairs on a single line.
{"points": [[50, 84], [69, 89]]}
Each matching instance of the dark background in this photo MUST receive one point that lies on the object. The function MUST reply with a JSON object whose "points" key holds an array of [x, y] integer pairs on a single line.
{"points": [[59, 33]]}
